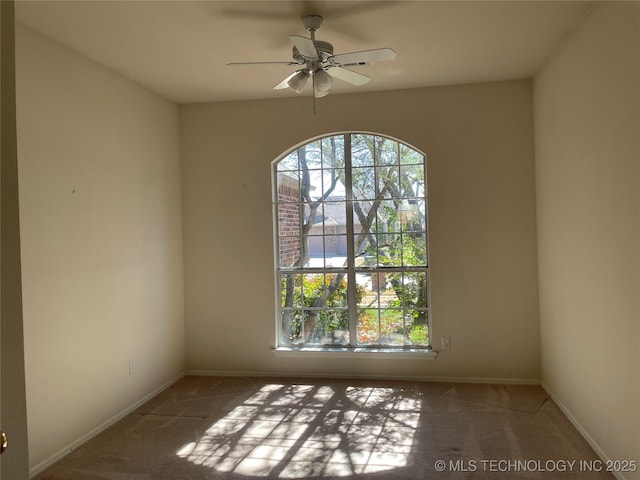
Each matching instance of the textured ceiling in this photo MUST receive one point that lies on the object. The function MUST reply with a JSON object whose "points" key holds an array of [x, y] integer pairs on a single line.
{"points": [[179, 49]]}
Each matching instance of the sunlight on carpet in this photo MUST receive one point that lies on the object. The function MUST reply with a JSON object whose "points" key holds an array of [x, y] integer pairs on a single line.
{"points": [[301, 431]]}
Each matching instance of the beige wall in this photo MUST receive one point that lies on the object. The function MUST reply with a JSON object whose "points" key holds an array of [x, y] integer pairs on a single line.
{"points": [[587, 124], [100, 208], [479, 144]]}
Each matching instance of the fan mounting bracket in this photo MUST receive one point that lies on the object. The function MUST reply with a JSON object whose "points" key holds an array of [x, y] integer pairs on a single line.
{"points": [[312, 22]]}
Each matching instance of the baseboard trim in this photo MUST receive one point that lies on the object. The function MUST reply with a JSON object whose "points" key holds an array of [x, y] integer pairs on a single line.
{"points": [[503, 381], [589, 439], [63, 452]]}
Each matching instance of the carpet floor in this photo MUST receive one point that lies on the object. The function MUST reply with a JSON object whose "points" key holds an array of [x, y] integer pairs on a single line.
{"points": [[285, 428]]}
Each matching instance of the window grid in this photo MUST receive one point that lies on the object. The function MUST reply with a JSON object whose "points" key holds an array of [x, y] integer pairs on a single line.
{"points": [[389, 267]]}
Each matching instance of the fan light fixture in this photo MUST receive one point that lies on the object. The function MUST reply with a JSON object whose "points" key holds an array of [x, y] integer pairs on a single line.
{"points": [[298, 81], [323, 80], [320, 93]]}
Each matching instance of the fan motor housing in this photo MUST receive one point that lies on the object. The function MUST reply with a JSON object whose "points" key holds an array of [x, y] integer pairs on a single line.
{"points": [[324, 49]]}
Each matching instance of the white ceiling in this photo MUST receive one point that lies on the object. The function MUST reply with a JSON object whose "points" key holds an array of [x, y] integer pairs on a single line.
{"points": [[179, 49]]}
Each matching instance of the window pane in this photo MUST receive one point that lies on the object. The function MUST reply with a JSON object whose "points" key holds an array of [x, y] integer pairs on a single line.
{"points": [[418, 333], [312, 288], [412, 181], [310, 156], [392, 308], [311, 182], [335, 247], [411, 215], [367, 290], [291, 325], [315, 246], [381, 327], [335, 218], [336, 290], [390, 294], [364, 183], [391, 327], [362, 150], [289, 251], [333, 184], [386, 151], [414, 290], [327, 184], [410, 218], [326, 327], [333, 152], [409, 155], [288, 187], [387, 182], [314, 216], [290, 162], [289, 220], [324, 290], [390, 249], [364, 217], [368, 326], [366, 251], [387, 216], [414, 250], [323, 318], [291, 290]]}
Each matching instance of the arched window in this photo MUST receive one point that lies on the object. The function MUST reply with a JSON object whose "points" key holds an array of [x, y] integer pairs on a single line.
{"points": [[351, 244]]}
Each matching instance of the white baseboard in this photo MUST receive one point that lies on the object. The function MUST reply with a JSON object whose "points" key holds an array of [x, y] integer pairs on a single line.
{"points": [[503, 381], [63, 452], [589, 439]]}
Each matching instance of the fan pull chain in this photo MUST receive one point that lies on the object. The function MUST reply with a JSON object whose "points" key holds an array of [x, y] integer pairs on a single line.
{"points": [[313, 93], [312, 34]]}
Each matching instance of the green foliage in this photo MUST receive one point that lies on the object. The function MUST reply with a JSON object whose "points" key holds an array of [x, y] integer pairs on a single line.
{"points": [[419, 335], [370, 330], [315, 286], [325, 297], [390, 329]]}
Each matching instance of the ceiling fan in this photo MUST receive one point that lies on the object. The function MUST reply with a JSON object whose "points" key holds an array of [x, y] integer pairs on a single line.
{"points": [[320, 64]]}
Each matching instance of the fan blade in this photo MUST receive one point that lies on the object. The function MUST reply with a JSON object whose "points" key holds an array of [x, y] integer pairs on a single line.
{"points": [[305, 46], [285, 83], [241, 64], [364, 57], [348, 76]]}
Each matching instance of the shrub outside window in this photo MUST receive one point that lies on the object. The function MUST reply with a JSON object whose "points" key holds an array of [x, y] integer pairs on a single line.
{"points": [[351, 244]]}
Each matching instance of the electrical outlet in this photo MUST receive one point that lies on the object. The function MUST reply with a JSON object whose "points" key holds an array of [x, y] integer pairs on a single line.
{"points": [[446, 343], [132, 367]]}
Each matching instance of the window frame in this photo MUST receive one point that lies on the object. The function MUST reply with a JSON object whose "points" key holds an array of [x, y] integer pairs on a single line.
{"points": [[381, 350]]}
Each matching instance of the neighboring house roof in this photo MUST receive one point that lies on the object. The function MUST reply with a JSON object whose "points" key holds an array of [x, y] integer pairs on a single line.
{"points": [[334, 207]]}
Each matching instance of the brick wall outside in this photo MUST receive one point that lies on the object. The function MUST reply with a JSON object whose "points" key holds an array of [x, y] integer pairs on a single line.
{"points": [[288, 219]]}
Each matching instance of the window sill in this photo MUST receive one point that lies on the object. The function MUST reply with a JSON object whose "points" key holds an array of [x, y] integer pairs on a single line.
{"points": [[363, 353]]}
